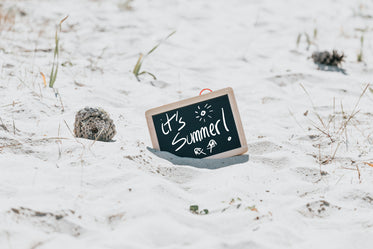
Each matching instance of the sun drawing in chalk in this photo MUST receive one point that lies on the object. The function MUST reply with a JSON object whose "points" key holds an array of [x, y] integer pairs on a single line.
{"points": [[204, 112]]}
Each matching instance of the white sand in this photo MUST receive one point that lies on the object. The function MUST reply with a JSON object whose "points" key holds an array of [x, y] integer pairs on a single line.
{"points": [[72, 194]]}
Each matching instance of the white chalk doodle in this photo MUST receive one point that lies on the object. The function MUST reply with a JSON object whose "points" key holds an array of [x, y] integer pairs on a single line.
{"points": [[212, 143], [199, 151], [203, 113]]}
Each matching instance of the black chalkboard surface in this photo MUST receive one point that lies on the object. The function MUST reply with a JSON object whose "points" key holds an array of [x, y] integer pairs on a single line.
{"points": [[199, 127]]}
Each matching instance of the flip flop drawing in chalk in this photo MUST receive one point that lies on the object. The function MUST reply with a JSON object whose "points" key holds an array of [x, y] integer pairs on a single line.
{"points": [[212, 143], [199, 151]]}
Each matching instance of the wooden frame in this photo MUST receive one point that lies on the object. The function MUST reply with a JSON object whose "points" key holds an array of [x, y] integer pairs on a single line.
{"points": [[237, 119]]}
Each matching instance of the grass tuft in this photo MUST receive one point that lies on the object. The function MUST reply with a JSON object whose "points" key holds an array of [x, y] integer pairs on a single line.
{"points": [[333, 130]]}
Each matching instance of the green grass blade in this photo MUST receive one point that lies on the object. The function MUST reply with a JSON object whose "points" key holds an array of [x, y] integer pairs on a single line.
{"points": [[137, 67], [156, 46], [140, 60], [146, 72], [298, 39], [54, 71], [51, 77]]}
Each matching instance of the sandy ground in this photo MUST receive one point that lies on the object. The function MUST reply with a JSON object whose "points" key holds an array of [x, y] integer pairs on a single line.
{"points": [[307, 183]]}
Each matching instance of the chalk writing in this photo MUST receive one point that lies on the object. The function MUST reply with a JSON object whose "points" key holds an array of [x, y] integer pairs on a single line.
{"points": [[213, 129], [198, 130]]}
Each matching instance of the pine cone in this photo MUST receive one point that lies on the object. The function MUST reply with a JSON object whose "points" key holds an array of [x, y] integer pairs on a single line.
{"points": [[94, 123], [329, 59]]}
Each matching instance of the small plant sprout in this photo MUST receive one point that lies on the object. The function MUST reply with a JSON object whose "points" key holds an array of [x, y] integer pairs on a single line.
{"points": [[360, 11], [308, 39], [125, 5], [360, 54], [137, 69], [194, 209], [252, 208], [54, 71]]}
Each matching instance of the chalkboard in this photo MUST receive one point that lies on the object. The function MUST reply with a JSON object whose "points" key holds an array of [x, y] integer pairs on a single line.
{"points": [[204, 126]]}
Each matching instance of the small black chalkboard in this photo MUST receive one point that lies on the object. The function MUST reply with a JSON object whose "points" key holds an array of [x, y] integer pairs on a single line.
{"points": [[204, 126]]}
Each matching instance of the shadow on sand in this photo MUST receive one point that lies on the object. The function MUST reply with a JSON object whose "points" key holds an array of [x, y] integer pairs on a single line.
{"points": [[200, 163], [323, 67]]}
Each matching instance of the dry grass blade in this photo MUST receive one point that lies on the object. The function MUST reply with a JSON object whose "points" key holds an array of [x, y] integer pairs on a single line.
{"points": [[313, 106], [64, 19], [354, 112], [335, 151], [83, 146], [14, 127], [9, 145], [12, 104], [53, 138], [296, 121], [58, 95], [72, 134], [345, 123], [97, 137], [337, 135], [369, 164], [3, 125], [322, 131], [358, 173], [7, 20], [44, 80]]}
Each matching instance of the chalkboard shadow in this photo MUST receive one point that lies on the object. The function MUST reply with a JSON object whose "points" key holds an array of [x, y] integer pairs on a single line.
{"points": [[200, 163]]}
